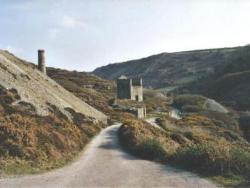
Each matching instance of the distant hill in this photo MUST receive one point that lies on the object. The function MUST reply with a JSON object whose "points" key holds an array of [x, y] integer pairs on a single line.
{"points": [[229, 84], [171, 69], [222, 74]]}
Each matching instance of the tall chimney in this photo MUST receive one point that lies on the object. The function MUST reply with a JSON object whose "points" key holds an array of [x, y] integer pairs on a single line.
{"points": [[41, 61]]}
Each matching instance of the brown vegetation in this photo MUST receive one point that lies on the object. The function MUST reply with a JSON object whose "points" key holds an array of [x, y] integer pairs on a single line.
{"points": [[196, 143], [31, 143], [91, 89], [156, 101]]}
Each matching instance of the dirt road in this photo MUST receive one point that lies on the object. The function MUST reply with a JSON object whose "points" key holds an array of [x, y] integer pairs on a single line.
{"points": [[104, 163]]}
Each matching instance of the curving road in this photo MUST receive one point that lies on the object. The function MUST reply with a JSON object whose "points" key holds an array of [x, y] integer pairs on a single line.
{"points": [[105, 164]]}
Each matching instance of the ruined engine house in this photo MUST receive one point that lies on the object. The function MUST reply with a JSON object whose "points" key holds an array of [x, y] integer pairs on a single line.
{"points": [[130, 88]]}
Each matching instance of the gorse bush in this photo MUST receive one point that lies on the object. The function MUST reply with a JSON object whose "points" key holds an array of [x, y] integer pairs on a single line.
{"points": [[245, 125], [240, 161], [38, 142], [225, 120], [204, 157], [146, 141], [217, 159], [195, 143], [191, 108], [152, 149], [196, 101]]}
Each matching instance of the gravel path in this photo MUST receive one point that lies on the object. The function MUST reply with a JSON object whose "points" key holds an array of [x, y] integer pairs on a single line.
{"points": [[104, 163], [152, 121], [215, 106]]}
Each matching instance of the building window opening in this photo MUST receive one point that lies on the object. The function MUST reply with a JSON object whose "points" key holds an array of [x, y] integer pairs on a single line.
{"points": [[137, 97]]}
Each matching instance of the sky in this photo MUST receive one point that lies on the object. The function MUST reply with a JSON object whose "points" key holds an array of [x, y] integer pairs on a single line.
{"points": [[85, 34]]}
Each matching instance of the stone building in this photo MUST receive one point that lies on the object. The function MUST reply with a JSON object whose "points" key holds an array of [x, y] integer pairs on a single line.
{"points": [[141, 113], [130, 88]]}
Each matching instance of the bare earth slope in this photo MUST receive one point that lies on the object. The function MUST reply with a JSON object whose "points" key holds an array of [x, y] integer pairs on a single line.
{"points": [[39, 90], [104, 163]]}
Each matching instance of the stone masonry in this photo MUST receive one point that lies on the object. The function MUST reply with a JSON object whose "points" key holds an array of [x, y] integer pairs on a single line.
{"points": [[130, 88], [41, 61]]}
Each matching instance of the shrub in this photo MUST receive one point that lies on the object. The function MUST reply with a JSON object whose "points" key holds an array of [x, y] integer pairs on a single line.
{"points": [[179, 138], [152, 149], [15, 150], [228, 121], [221, 158], [245, 125], [191, 108], [193, 156], [194, 100], [196, 143], [240, 162], [41, 142]]}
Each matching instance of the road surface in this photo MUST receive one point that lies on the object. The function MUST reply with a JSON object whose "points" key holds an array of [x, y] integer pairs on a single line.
{"points": [[105, 164]]}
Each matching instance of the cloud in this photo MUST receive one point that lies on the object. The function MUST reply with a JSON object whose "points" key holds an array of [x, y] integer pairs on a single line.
{"points": [[71, 22], [61, 26]]}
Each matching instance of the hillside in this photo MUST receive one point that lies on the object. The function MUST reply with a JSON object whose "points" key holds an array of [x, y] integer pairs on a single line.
{"points": [[230, 89], [39, 90], [91, 89], [171, 69], [42, 125], [100, 93], [221, 74], [229, 84]]}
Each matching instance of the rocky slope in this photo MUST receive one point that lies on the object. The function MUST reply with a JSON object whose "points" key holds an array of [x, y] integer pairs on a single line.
{"points": [[42, 125], [39, 90]]}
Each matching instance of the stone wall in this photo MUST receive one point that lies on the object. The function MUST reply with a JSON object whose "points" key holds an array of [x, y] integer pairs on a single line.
{"points": [[124, 88], [141, 113], [130, 89], [137, 93], [137, 81]]}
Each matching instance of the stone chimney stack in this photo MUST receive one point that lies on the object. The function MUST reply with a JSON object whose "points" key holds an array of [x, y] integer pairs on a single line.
{"points": [[41, 61]]}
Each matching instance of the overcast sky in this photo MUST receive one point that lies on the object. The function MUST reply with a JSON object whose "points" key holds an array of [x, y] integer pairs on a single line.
{"points": [[85, 34]]}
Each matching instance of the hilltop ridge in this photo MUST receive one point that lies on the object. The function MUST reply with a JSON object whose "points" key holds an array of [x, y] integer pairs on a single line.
{"points": [[170, 69]]}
